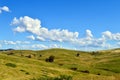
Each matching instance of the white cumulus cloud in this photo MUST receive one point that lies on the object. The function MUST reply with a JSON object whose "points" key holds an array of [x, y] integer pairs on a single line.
{"points": [[28, 24], [31, 37], [89, 33], [40, 38], [116, 36], [39, 46], [55, 46], [4, 8], [111, 36], [33, 26], [9, 42], [19, 29], [107, 35], [14, 42]]}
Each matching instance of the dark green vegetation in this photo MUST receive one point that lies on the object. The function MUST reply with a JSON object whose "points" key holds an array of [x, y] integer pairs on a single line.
{"points": [[59, 64], [10, 65]]}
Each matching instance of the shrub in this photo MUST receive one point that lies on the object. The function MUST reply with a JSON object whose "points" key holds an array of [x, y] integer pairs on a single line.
{"points": [[85, 71], [50, 59], [95, 53], [40, 55], [27, 73], [11, 65], [34, 55], [47, 59], [11, 53], [74, 68], [60, 64], [22, 70], [29, 56], [77, 54], [98, 73]]}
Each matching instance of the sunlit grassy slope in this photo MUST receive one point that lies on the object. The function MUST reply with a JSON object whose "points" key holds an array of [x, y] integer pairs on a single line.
{"points": [[101, 65]]}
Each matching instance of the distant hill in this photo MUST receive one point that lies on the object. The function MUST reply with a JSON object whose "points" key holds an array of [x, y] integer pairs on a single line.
{"points": [[66, 65], [6, 49]]}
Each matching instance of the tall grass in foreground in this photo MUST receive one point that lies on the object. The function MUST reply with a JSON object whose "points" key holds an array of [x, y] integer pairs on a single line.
{"points": [[62, 77]]}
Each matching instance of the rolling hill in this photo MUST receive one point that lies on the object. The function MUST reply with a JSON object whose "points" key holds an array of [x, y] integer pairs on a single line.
{"points": [[66, 65]]}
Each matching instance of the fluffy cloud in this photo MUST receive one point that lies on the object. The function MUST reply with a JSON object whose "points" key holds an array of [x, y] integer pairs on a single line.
{"points": [[89, 34], [85, 42], [40, 38], [116, 36], [33, 26], [14, 42], [107, 35], [4, 8], [9, 42], [111, 36], [36, 38], [55, 46], [31, 37], [19, 29], [28, 24], [39, 46]]}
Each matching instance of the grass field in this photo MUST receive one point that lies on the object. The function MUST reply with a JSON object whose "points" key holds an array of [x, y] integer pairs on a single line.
{"points": [[67, 65]]}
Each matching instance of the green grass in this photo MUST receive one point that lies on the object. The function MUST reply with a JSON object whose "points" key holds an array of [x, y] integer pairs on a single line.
{"points": [[61, 77], [112, 65], [105, 66]]}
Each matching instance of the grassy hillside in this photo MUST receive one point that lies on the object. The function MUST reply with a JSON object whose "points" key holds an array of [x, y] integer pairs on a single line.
{"points": [[68, 64]]}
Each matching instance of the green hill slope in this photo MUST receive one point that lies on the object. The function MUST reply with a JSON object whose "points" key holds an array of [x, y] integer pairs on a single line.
{"points": [[68, 64]]}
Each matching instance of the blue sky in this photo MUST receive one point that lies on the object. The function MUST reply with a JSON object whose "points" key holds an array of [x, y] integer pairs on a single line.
{"points": [[71, 24]]}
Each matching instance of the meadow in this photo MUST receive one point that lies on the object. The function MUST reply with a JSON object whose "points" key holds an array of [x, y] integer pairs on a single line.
{"points": [[60, 64]]}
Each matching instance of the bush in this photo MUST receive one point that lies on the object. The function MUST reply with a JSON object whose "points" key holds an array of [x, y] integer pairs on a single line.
{"points": [[74, 68], [11, 65], [22, 70], [11, 53], [60, 64], [77, 55], [29, 56], [85, 71], [98, 73], [27, 73], [40, 55], [95, 53], [50, 59], [47, 59]]}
